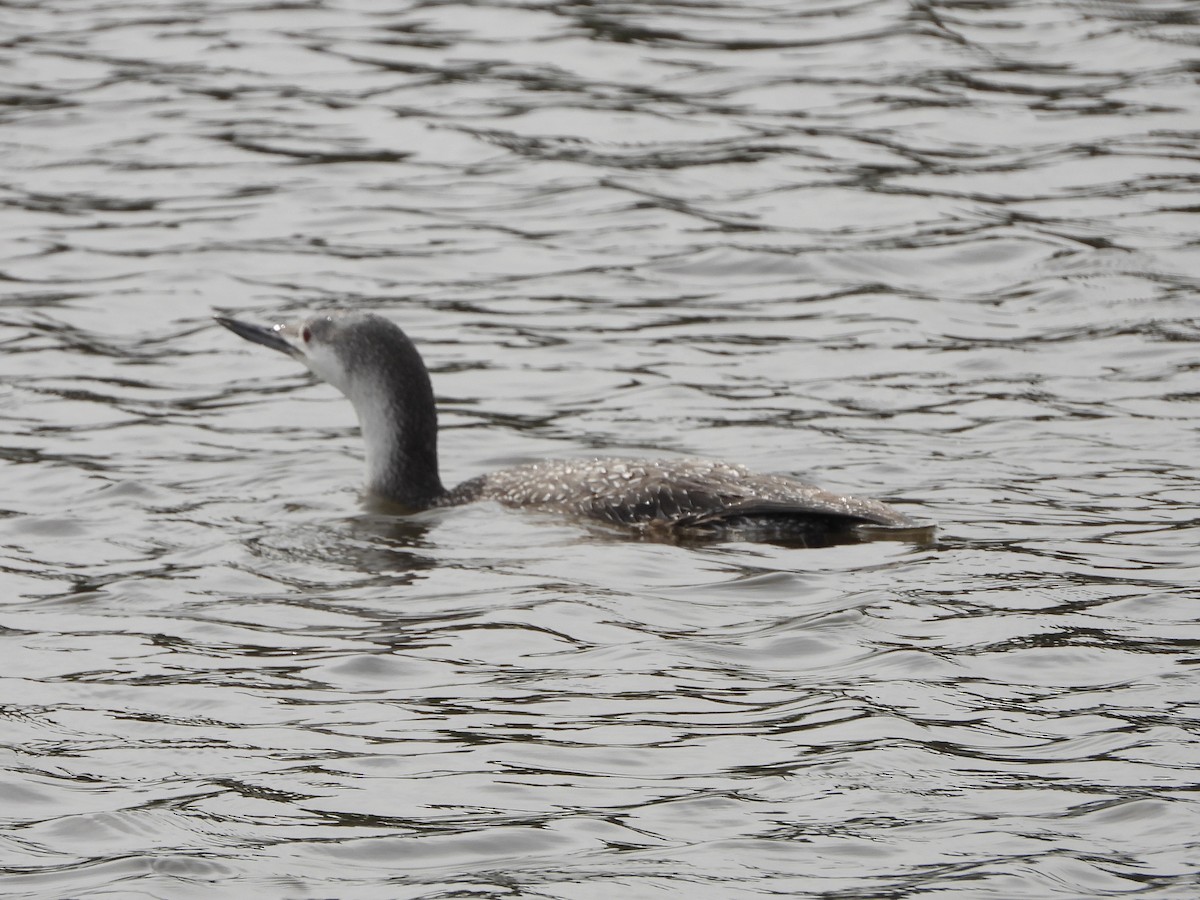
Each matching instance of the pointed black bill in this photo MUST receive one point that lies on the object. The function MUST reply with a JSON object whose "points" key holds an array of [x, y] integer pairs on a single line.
{"points": [[268, 336]]}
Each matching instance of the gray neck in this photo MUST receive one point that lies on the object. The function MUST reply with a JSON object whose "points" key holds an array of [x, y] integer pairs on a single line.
{"points": [[399, 428]]}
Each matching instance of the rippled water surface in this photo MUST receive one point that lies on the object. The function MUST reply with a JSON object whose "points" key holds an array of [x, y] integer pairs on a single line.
{"points": [[945, 254]]}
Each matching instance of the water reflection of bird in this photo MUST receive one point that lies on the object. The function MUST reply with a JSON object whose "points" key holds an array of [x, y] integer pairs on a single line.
{"points": [[372, 362]]}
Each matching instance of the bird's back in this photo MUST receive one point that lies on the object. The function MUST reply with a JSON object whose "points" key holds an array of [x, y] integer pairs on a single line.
{"points": [[684, 496]]}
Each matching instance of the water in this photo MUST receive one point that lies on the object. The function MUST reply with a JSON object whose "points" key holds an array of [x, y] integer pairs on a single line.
{"points": [[943, 254]]}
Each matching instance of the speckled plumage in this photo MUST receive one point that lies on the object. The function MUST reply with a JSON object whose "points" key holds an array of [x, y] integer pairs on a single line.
{"points": [[374, 364], [695, 494]]}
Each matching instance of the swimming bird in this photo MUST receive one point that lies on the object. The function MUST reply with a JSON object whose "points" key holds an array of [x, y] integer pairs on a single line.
{"points": [[375, 365]]}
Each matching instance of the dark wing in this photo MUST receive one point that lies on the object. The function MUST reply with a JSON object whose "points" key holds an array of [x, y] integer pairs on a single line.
{"points": [[689, 498], [688, 494]]}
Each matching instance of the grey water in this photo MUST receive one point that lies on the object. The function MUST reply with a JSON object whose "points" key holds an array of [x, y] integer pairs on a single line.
{"points": [[942, 254]]}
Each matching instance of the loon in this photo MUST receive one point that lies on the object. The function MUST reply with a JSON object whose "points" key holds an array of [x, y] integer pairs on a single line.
{"points": [[375, 365]]}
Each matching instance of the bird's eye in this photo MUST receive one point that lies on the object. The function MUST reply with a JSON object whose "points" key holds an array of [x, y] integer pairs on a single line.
{"points": [[306, 334]]}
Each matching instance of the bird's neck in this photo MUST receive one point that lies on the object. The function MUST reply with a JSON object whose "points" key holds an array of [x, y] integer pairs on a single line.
{"points": [[400, 437]]}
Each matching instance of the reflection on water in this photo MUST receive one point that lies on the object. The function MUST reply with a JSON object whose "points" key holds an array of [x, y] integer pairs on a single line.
{"points": [[943, 254]]}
